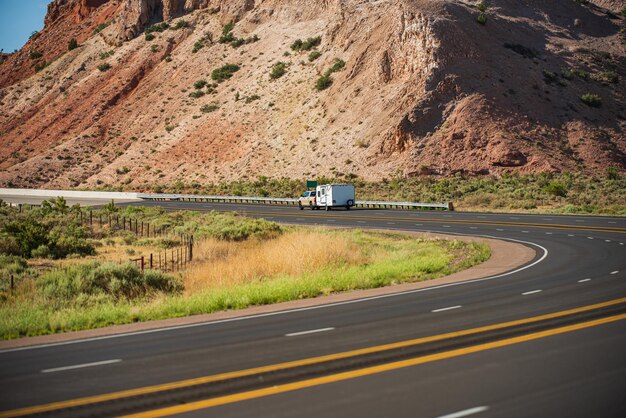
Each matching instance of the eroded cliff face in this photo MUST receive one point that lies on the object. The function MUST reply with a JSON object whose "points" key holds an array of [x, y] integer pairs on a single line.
{"points": [[424, 89]]}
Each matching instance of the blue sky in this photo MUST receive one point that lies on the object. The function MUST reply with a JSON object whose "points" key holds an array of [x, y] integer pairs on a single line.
{"points": [[18, 19]]}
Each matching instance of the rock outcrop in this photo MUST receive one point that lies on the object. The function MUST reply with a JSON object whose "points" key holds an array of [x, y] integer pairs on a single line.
{"points": [[416, 87]]}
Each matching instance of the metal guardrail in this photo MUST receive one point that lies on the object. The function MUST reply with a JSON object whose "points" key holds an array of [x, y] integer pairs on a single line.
{"points": [[290, 201]]}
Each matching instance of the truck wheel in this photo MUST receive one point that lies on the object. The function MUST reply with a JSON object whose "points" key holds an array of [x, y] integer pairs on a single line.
{"points": [[328, 208], [347, 207], [300, 205], [350, 203]]}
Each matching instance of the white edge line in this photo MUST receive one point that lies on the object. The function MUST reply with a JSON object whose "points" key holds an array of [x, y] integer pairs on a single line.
{"points": [[615, 272], [308, 308], [465, 412], [449, 308], [584, 280], [531, 292], [312, 331], [80, 366]]}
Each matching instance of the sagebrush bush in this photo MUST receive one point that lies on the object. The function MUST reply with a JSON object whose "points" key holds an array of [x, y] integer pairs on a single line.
{"points": [[591, 100], [118, 281], [278, 70], [224, 72], [104, 67]]}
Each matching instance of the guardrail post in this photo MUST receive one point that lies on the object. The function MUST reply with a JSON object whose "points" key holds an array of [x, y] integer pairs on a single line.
{"points": [[12, 283], [151, 263]]}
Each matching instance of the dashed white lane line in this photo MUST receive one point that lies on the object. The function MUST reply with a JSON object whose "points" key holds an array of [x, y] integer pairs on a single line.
{"points": [[579, 220], [447, 216], [525, 232], [532, 292], [548, 233], [547, 219], [589, 237], [311, 331], [473, 227], [361, 222], [465, 412], [80, 366], [607, 240], [418, 224], [570, 235], [449, 308], [499, 229], [481, 217], [615, 272], [584, 280], [391, 223], [446, 226], [299, 219], [621, 243], [331, 220], [513, 217], [612, 222]]}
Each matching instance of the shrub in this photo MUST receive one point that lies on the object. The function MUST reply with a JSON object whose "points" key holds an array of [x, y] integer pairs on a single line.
{"points": [[118, 281], [40, 66], [314, 55], [197, 46], [252, 98], [549, 76], [208, 108], [612, 173], [237, 42], [150, 37], [556, 189], [123, 170], [159, 27], [104, 67], [338, 65], [567, 74], [482, 19], [224, 73], [591, 100], [278, 70], [106, 55], [196, 94], [482, 6], [73, 44], [323, 82], [227, 35], [101, 27], [154, 48], [310, 43], [199, 84], [182, 23], [34, 54], [609, 77], [581, 74]]}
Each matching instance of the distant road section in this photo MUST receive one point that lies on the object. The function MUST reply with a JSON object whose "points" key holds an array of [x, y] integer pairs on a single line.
{"points": [[85, 198]]}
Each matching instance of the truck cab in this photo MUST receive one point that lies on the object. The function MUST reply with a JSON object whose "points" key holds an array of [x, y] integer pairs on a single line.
{"points": [[308, 199]]}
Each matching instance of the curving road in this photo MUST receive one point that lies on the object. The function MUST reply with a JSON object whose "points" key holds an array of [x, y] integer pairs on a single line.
{"points": [[523, 351]]}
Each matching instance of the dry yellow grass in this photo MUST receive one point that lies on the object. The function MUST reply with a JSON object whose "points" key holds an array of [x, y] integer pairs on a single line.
{"points": [[219, 264]]}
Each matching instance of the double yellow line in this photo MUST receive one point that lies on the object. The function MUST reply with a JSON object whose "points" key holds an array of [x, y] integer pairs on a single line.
{"points": [[321, 359]]}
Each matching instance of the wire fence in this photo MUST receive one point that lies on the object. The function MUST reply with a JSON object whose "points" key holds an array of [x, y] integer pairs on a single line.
{"points": [[172, 259]]}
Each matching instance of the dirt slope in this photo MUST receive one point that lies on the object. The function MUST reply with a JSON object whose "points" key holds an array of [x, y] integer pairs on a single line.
{"points": [[425, 89]]}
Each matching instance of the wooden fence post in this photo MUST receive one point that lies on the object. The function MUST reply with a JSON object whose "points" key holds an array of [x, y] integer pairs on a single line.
{"points": [[151, 265]]}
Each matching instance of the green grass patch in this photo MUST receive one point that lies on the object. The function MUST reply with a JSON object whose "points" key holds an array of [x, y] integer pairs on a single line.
{"points": [[100, 294]]}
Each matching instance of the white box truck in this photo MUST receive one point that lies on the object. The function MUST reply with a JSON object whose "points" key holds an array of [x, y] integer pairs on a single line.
{"points": [[328, 196]]}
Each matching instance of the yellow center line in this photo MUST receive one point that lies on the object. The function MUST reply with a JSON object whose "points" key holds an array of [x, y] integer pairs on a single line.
{"points": [[291, 364], [223, 400]]}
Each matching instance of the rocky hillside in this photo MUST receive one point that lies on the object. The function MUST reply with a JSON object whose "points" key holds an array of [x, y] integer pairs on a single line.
{"points": [[145, 92]]}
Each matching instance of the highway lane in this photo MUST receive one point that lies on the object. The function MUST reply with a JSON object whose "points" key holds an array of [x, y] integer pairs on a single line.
{"points": [[181, 353]]}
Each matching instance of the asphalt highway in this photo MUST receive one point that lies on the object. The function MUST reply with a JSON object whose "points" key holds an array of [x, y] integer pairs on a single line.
{"points": [[580, 261]]}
